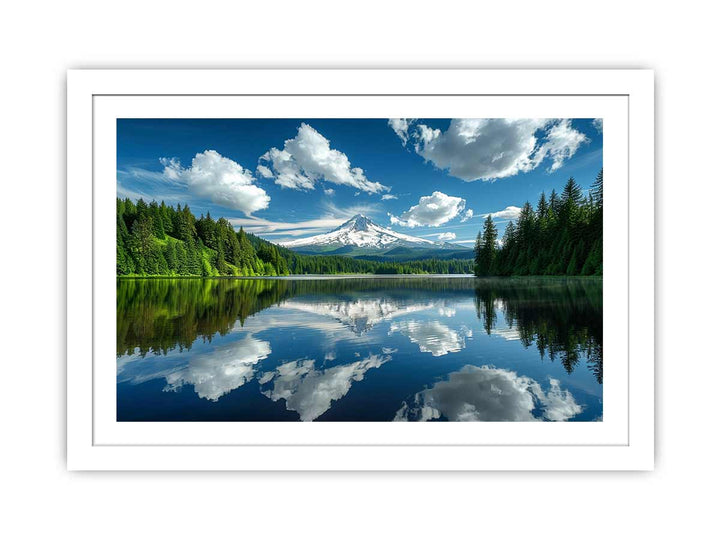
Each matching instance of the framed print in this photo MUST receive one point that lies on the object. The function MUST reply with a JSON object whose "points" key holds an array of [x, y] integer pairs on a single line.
{"points": [[360, 270]]}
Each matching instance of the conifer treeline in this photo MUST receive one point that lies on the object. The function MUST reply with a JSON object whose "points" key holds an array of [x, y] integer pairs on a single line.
{"points": [[160, 240], [156, 239], [563, 235]]}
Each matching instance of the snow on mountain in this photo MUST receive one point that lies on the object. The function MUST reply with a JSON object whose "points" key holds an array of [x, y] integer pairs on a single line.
{"points": [[360, 231]]}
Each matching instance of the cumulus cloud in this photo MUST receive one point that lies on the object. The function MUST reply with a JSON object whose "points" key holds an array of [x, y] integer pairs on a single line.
{"points": [[329, 191], [487, 394], [468, 215], [432, 337], [447, 236], [598, 124], [490, 148], [401, 126], [263, 171], [562, 141], [510, 212], [388, 197], [310, 391], [307, 158], [431, 210], [220, 180]]}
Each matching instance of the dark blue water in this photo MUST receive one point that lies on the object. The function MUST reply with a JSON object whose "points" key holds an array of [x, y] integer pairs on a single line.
{"points": [[359, 349]]}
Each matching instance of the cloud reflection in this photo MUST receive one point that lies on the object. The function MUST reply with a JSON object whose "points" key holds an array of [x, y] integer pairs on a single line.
{"points": [[212, 374], [310, 391], [433, 337], [488, 394]]}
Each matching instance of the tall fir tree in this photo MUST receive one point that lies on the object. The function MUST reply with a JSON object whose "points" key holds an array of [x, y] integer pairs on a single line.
{"points": [[485, 259]]}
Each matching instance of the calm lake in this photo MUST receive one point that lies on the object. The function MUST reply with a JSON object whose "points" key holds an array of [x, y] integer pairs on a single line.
{"points": [[359, 349]]}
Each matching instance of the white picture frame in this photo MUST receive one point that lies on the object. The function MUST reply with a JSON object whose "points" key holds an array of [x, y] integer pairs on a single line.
{"points": [[623, 441]]}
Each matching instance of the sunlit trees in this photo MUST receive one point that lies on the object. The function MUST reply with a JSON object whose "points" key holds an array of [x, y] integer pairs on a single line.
{"points": [[161, 240], [561, 236], [486, 250]]}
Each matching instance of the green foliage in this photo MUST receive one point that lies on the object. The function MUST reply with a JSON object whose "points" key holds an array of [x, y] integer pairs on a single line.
{"points": [[159, 240], [562, 236], [561, 317], [486, 249]]}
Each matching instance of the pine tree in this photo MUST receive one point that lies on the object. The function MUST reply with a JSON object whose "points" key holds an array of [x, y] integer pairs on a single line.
{"points": [[542, 207], [478, 253], [562, 236], [485, 264], [171, 257], [596, 189]]}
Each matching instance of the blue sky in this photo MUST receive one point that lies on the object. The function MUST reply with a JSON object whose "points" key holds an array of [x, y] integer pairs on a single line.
{"points": [[290, 178]]}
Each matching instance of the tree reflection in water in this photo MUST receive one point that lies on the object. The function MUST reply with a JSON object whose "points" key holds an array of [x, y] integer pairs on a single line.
{"points": [[561, 317]]}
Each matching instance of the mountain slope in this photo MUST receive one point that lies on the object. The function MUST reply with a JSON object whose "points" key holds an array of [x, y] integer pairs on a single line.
{"points": [[360, 236]]}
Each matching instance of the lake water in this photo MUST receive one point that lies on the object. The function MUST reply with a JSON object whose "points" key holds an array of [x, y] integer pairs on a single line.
{"points": [[359, 349]]}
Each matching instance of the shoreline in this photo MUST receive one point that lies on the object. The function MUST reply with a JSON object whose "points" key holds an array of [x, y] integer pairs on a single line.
{"points": [[362, 276]]}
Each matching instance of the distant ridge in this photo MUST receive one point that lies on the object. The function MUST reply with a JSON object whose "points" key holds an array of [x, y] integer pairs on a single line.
{"points": [[360, 236]]}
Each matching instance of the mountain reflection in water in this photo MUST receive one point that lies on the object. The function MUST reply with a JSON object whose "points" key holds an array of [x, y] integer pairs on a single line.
{"points": [[360, 349]]}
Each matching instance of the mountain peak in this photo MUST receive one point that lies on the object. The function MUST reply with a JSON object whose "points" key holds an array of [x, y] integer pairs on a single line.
{"points": [[358, 222], [361, 232]]}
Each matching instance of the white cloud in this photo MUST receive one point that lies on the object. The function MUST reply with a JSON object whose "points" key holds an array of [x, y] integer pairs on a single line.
{"points": [[220, 180], [432, 337], [334, 217], [263, 171], [431, 210], [259, 225], [388, 197], [562, 141], [401, 126], [487, 394], [447, 236], [329, 191], [307, 158], [510, 212], [490, 148], [468, 215], [598, 124]]}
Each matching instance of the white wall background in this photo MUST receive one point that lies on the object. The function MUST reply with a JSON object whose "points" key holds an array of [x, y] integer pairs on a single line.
{"points": [[39, 41]]}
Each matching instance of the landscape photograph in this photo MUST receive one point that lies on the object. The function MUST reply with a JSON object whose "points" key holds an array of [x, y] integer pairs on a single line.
{"points": [[359, 270]]}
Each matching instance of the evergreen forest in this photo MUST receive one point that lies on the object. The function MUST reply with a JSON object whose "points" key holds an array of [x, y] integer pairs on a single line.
{"points": [[561, 236]]}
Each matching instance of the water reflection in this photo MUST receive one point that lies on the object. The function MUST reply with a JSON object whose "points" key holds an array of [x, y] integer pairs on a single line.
{"points": [[359, 315], [211, 374], [487, 394], [433, 337], [311, 391], [561, 317], [215, 374], [461, 349]]}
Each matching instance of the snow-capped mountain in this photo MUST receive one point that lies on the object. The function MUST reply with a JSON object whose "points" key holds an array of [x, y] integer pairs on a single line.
{"points": [[360, 232]]}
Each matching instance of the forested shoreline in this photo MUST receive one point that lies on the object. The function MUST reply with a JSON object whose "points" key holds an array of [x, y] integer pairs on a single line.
{"points": [[561, 236], [157, 240]]}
